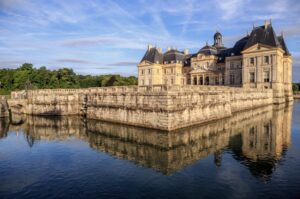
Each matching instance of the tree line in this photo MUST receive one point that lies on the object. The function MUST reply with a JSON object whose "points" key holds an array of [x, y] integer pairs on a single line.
{"points": [[28, 77], [296, 87]]}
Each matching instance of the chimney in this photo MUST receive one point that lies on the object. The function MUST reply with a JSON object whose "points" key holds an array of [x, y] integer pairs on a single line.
{"points": [[266, 24], [149, 46], [186, 51], [159, 50]]}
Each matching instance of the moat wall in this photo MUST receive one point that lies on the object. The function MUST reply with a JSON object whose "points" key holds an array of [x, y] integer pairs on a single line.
{"points": [[4, 106], [159, 107]]}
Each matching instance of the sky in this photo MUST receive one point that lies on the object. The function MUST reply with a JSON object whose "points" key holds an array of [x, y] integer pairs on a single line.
{"points": [[111, 37]]}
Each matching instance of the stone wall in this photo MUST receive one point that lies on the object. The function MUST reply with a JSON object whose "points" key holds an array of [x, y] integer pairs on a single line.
{"points": [[4, 106], [160, 107]]}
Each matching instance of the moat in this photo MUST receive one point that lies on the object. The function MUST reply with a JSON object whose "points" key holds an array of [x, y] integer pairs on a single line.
{"points": [[252, 154]]}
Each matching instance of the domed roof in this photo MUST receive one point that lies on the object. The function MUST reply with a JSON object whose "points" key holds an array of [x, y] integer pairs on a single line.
{"points": [[208, 50], [217, 34], [173, 55]]}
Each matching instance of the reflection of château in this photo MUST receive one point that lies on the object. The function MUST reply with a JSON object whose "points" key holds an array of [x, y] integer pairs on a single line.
{"points": [[253, 136]]}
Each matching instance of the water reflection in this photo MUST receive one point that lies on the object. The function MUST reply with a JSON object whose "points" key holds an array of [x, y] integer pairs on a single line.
{"points": [[256, 138]]}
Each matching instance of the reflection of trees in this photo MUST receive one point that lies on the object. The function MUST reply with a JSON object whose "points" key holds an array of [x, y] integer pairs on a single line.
{"points": [[257, 139]]}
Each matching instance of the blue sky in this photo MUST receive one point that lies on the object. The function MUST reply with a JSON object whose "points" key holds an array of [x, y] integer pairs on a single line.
{"points": [[104, 36]]}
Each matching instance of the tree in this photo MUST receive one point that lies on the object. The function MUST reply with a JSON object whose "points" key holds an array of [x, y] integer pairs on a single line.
{"points": [[28, 77], [295, 87]]}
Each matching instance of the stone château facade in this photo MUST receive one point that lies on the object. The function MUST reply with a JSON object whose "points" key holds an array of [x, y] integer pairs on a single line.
{"points": [[258, 60]]}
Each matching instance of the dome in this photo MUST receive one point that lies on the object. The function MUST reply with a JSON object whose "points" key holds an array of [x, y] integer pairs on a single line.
{"points": [[208, 50], [173, 55], [217, 34]]}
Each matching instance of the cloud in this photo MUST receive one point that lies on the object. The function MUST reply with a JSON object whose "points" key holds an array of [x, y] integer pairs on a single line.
{"points": [[106, 34], [76, 61], [124, 63], [230, 8]]}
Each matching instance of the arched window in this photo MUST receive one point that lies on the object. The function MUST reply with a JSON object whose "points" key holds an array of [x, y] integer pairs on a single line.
{"points": [[201, 80], [207, 80], [195, 80]]}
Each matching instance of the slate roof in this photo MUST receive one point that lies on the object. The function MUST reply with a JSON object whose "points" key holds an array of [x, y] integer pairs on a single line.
{"points": [[208, 50], [283, 45], [153, 55], [173, 55], [263, 35]]}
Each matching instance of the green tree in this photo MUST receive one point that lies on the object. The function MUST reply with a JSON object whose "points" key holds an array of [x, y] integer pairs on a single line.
{"points": [[28, 77]]}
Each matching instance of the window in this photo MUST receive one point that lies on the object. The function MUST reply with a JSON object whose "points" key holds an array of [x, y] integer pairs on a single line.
{"points": [[266, 76], [142, 71], [172, 81], [195, 80], [223, 79], [252, 60], [171, 70], [231, 65], [232, 77], [266, 59], [149, 71], [150, 82], [201, 80], [252, 77], [165, 71], [206, 80], [217, 80], [143, 82]]}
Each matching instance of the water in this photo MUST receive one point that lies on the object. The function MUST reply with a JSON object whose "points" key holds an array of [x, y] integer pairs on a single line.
{"points": [[254, 154]]}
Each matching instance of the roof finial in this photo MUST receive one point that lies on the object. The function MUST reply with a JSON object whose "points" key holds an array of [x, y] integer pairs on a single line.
{"points": [[270, 21], [206, 43], [253, 25]]}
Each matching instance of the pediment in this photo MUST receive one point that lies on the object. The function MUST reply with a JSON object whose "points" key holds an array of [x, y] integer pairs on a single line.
{"points": [[144, 63], [257, 48]]}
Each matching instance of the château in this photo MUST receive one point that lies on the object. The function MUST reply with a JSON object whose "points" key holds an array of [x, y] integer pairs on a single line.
{"points": [[258, 60]]}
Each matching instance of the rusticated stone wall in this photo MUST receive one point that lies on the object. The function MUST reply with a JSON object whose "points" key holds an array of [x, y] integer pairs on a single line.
{"points": [[160, 107]]}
